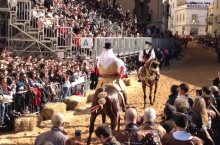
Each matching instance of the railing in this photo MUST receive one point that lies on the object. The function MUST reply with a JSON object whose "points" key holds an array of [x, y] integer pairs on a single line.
{"points": [[30, 101], [122, 46]]}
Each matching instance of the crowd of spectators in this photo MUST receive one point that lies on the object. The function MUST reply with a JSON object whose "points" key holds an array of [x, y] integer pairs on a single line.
{"points": [[26, 83], [186, 121], [88, 18]]}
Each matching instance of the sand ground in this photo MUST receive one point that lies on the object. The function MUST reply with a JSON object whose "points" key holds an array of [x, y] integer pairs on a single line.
{"points": [[198, 67]]}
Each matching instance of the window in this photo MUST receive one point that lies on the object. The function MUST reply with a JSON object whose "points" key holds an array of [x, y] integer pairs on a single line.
{"points": [[173, 5], [171, 20], [180, 17], [194, 17], [183, 17], [176, 18]]}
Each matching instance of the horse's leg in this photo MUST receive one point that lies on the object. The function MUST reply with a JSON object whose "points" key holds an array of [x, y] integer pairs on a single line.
{"points": [[91, 127], [150, 93], [155, 90], [144, 90], [119, 119], [103, 117]]}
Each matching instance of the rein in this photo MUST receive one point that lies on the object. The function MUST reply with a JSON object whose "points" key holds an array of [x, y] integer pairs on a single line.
{"points": [[96, 108]]}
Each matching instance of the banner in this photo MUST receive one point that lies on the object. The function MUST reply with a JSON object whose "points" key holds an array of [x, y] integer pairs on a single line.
{"points": [[86, 42]]}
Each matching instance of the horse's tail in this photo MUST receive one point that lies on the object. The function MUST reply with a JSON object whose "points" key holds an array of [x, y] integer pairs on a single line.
{"points": [[102, 96]]}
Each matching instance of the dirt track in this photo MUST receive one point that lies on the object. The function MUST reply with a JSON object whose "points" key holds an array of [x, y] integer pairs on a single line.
{"points": [[197, 68]]}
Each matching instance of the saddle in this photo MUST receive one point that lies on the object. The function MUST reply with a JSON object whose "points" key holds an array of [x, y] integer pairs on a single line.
{"points": [[115, 98]]}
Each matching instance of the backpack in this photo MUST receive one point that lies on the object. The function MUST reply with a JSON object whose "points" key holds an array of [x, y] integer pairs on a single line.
{"points": [[149, 135]]}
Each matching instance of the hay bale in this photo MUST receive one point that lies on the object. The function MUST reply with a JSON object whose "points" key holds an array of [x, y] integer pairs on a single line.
{"points": [[90, 95], [75, 102], [51, 108], [127, 81], [27, 122]]}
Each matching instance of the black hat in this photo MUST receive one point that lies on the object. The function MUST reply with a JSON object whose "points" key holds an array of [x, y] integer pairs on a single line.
{"points": [[146, 42], [107, 45]]}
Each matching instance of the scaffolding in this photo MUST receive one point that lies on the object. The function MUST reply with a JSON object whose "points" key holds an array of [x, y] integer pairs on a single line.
{"points": [[23, 35]]}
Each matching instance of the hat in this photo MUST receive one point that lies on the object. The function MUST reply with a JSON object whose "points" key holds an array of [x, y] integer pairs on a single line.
{"points": [[146, 42], [107, 45]]}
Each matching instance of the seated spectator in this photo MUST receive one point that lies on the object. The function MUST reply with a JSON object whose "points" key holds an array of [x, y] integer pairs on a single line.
{"points": [[180, 136], [173, 95], [183, 92], [57, 135], [104, 133]]}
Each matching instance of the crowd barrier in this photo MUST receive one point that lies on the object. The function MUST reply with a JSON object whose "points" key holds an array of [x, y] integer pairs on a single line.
{"points": [[31, 101]]}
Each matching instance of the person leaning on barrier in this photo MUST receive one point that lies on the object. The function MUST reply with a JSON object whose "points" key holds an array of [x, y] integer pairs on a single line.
{"points": [[110, 70]]}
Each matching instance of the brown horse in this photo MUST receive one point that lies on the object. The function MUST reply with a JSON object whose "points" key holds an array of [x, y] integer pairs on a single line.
{"points": [[107, 101], [148, 77]]}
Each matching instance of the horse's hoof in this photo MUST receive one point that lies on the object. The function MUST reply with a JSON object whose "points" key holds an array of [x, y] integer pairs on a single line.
{"points": [[152, 103]]}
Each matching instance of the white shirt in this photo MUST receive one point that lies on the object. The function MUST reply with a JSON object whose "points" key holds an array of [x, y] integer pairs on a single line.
{"points": [[152, 55], [182, 135]]}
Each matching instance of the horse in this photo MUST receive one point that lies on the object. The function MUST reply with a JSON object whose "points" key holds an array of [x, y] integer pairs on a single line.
{"points": [[148, 77], [107, 101]]}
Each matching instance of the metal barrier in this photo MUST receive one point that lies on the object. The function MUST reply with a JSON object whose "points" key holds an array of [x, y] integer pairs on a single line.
{"points": [[80, 49], [49, 31], [121, 46], [35, 15], [27, 101], [163, 43], [64, 36], [23, 10]]}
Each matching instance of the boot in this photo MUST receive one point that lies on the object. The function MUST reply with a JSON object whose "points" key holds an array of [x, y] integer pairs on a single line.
{"points": [[125, 101]]}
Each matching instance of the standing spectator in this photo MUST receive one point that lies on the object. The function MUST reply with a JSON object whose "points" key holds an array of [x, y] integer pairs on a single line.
{"points": [[159, 56], [166, 57], [168, 122], [149, 123], [129, 135], [183, 92], [180, 135], [104, 133], [216, 81], [93, 76], [218, 53], [77, 140], [173, 95], [57, 135]]}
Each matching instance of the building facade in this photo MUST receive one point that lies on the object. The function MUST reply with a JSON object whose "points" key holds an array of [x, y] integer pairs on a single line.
{"points": [[149, 11], [213, 19], [188, 17]]}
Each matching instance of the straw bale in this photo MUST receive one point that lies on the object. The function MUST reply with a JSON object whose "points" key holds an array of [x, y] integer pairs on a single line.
{"points": [[51, 108], [27, 122], [75, 102], [127, 81], [90, 95]]}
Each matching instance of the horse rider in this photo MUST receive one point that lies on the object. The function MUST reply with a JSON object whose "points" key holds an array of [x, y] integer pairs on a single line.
{"points": [[146, 56], [111, 69]]}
